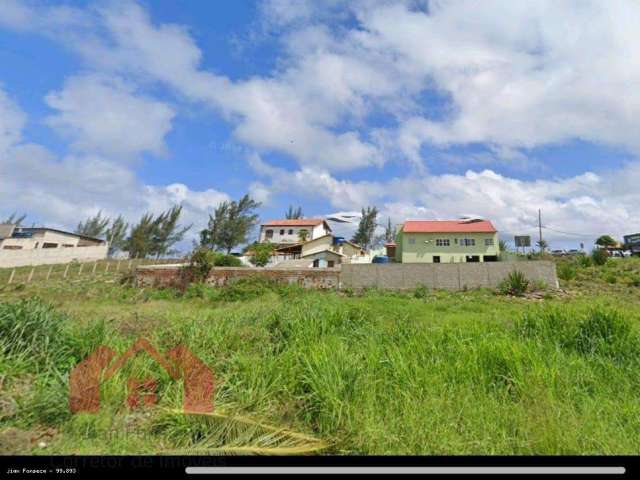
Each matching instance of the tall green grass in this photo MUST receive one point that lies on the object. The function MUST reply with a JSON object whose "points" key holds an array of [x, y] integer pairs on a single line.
{"points": [[382, 373]]}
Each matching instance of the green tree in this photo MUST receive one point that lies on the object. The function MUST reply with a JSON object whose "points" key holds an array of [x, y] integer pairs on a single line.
{"points": [[303, 234], [117, 235], [15, 219], [230, 224], [366, 227], [606, 241], [95, 226], [503, 246], [390, 232], [140, 240], [167, 231], [293, 213], [261, 253], [154, 236]]}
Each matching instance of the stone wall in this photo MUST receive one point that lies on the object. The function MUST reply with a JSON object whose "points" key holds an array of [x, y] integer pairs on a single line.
{"points": [[450, 276], [49, 256], [168, 275]]}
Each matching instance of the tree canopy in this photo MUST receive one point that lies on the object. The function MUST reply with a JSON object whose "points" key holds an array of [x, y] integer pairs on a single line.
{"points": [[95, 226], [154, 236], [230, 224], [366, 227], [293, 213], [15, 219], [606, 241]]}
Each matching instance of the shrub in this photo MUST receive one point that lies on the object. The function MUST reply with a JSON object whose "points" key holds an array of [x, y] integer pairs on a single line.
{"points": [[420, 291], [261, 253], [566, 271], [202, 260], [635, 282], [610, 278], [583, 261], [515, 284], [599, 256]]}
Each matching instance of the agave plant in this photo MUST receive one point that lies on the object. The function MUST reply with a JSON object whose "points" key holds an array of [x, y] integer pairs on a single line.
{"points": [[515, 283]]}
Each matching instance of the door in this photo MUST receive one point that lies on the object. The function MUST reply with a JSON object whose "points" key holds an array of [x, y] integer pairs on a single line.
{"points": [[436, 259]]}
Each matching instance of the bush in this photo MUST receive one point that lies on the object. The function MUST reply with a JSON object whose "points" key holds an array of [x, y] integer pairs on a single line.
{"points": [[583, 261], [566, 271], [599, 256], [202, 260], [261, 253], [515, 284], [420, 291]]}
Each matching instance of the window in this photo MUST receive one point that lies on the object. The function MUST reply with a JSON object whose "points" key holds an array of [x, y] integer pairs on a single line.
{"points": [[442, 242], [268, 234], [412, 241], [316, 263], [49, 245], [12, 247], [68, 245], [436, 259], [291, 231], [331, 263], [37, 243], [282, 231], [468, 242], [488, 242]]}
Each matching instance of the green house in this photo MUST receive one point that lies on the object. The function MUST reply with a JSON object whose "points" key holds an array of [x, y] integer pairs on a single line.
{"points": [[447, 241]]}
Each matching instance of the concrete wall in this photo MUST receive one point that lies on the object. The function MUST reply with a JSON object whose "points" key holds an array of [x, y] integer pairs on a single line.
{"points": [[48, 256], [451, 276], [169, 275]]}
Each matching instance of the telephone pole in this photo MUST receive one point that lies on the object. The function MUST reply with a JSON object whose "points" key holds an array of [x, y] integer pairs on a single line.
{"points": [[540, 230]]}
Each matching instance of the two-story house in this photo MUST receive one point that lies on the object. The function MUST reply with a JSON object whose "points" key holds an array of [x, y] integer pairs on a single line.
{"points": [[447, 241], [293, 230]]}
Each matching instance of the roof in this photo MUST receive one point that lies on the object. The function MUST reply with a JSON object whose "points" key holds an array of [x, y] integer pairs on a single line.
{"points": [[325, 250], [296, 222], [47, 229], [448, 226]]}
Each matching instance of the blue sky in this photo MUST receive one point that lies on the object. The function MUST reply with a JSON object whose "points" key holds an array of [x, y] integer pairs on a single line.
{"points": [[424, 109]]}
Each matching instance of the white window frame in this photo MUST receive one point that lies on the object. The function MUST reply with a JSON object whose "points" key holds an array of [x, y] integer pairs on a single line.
{"points": [[488, 242], [443, 242]]}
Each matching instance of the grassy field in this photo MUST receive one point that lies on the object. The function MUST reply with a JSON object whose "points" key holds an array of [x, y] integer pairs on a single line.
{"points": [[418, 372]]}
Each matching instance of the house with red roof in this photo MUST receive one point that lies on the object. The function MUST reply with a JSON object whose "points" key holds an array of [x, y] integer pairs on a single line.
{"points": [[290, 231], [447, 241]]}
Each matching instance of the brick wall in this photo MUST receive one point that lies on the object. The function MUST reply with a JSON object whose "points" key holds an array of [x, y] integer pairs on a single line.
{"points": [[167, 275], [451, 276]]}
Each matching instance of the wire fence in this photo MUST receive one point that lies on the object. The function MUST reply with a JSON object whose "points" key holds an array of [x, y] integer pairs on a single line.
{"points": [[78, 271]]}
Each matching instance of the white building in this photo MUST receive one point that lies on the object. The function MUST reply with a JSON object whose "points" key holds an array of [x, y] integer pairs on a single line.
{"points": [[20, 246], [291, 231]]}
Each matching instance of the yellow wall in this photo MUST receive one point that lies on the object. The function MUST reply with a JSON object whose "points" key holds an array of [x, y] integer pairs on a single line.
{"points": [[421, 252]]}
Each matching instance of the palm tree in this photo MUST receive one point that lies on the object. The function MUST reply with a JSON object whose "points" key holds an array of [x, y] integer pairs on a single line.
{"points": [[303, 234]]}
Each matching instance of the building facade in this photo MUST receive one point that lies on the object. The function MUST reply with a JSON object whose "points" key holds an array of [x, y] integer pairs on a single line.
{"points": [[20, 246], [291, 230], [446, 241]]}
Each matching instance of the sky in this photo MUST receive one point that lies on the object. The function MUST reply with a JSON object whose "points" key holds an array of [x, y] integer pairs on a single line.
{"points": [[426, 109]]}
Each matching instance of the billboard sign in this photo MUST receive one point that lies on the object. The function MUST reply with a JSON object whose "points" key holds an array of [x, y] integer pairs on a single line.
{"points": [[522, 241]]}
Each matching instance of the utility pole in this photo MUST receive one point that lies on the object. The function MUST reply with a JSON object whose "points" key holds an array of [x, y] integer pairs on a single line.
{"points": [[540, 229]]}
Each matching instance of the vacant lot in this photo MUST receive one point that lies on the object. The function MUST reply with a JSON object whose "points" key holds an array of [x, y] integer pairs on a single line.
{"points": [[323, 372]]}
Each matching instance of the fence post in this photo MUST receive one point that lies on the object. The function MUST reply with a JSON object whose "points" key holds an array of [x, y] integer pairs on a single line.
{"points": [[13, 272], [106, 269], [118, 266], [80, 269], [95, 265], [49, 272], [31, 274], [66, 270]]}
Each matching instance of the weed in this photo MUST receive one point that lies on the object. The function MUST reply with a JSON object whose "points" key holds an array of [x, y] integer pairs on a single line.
{"points": [[515, 284]]}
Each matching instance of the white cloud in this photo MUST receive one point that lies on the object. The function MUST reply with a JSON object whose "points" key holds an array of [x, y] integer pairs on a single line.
{"points": [[105, 115], [12, 120], [61, 191]]}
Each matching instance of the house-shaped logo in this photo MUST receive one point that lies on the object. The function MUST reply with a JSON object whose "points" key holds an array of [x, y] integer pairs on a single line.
{"points": [[197, 378]]}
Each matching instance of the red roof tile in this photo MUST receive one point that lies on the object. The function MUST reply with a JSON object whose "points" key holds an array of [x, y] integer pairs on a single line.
{"points": [[448, 226], [298, 222]]}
